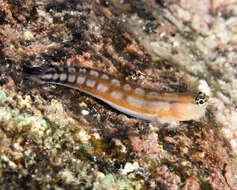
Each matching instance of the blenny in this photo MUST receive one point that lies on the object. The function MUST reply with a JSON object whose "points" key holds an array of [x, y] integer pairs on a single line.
{"points": [[128, 98]]}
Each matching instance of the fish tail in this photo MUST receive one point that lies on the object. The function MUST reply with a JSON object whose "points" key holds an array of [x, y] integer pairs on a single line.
{"points": [[38, 70], [35, 73]]}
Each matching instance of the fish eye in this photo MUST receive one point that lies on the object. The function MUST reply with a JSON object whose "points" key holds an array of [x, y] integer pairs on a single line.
{"points": [[201, 98]]}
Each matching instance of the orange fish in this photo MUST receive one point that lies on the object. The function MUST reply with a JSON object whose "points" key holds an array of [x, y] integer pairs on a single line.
{"points": [[128, 98]]}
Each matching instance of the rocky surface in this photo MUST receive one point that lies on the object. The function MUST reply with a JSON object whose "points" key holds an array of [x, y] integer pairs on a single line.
{"points": [[56, 138]]}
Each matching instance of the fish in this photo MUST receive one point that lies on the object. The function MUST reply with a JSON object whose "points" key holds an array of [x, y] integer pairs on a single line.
{"points": [[126, 97]]}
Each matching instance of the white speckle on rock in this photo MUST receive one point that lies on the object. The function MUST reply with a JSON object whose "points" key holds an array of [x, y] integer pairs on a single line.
{"points": [[83, 136], [176, 44], [67, 176], [28, 35], [129, 167], [84, 112], [163, 34], [97, 136]]}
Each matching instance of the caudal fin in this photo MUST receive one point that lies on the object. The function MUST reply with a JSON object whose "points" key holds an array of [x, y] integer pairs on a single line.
{"points": [[36, 73], [38, 70]]}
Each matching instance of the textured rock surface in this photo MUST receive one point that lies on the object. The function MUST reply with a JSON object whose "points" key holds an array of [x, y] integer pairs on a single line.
{"points": [[55, 138]]}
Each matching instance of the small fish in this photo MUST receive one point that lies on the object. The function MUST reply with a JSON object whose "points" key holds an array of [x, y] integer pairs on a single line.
{"points": [[126, 97]]}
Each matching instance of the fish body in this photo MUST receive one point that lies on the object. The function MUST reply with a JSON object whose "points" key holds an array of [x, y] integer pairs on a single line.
{"points": [[126, 97]]}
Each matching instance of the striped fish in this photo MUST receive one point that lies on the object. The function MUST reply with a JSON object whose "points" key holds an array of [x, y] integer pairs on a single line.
{"points": [[126, 97]]}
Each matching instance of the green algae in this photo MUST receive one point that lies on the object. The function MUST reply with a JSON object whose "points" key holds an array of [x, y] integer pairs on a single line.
{"points": [[112, 182], [4, 97], [54, 138]]}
